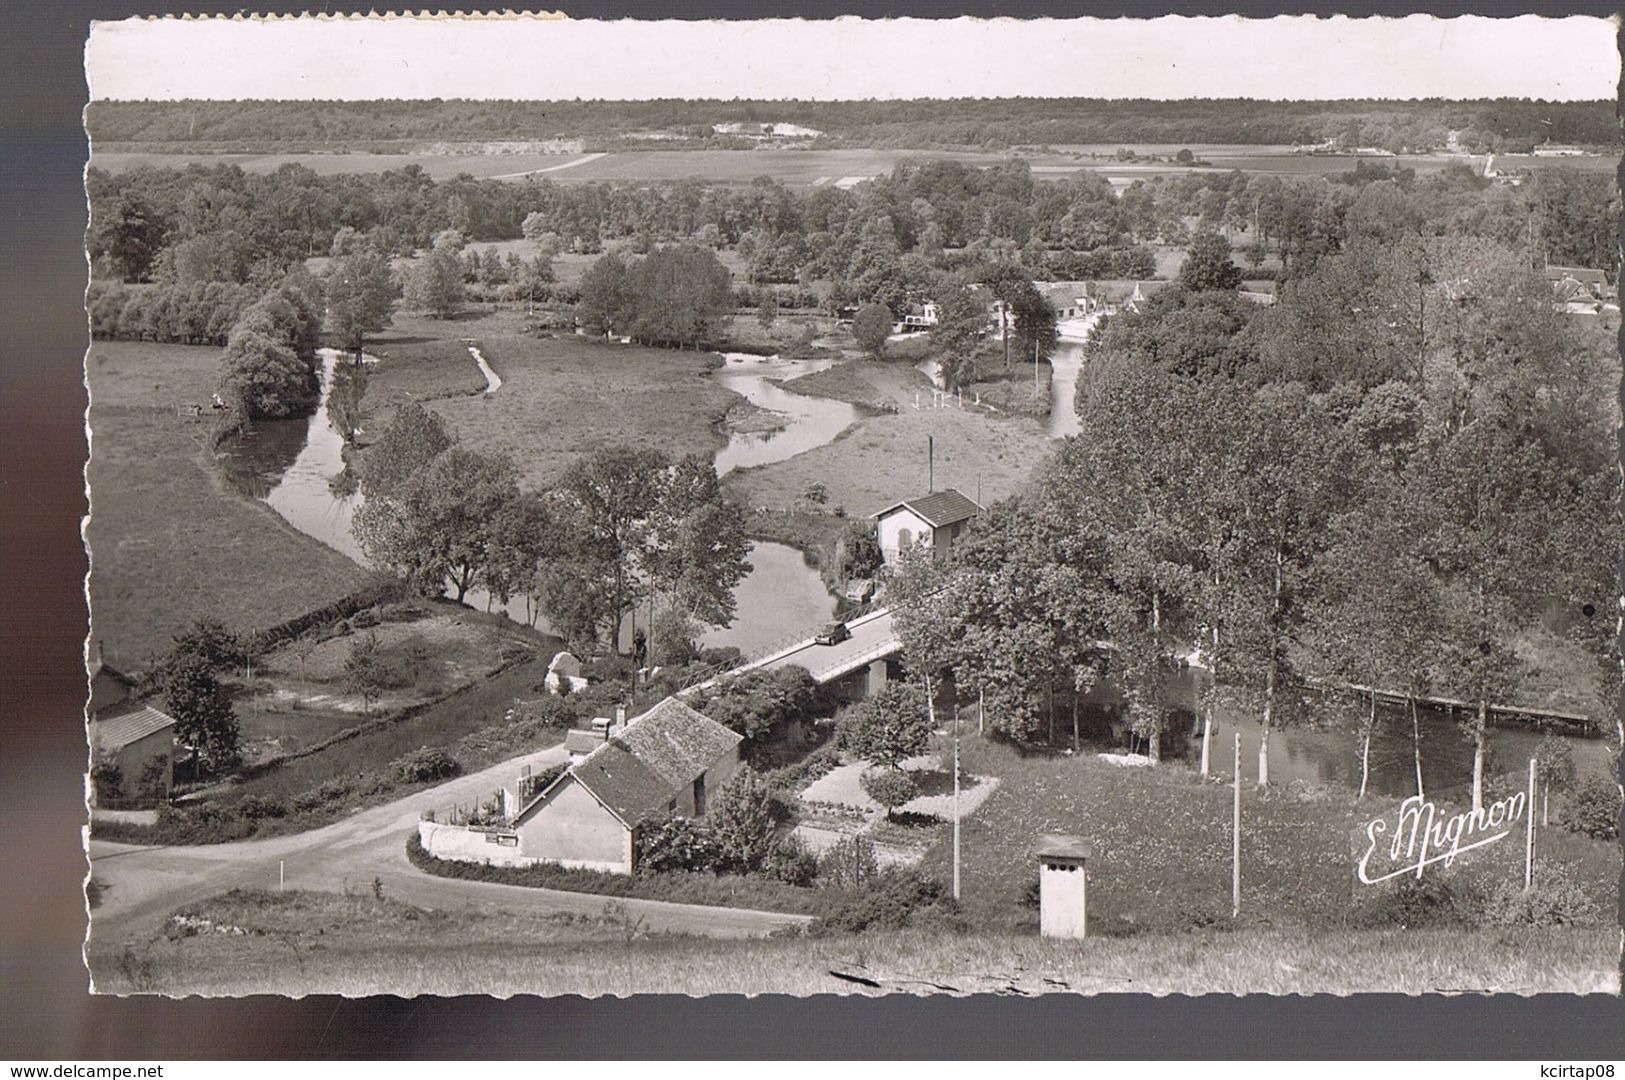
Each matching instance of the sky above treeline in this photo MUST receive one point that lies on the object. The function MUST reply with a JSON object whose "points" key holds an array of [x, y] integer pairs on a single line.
{"points": [[534, 58]]}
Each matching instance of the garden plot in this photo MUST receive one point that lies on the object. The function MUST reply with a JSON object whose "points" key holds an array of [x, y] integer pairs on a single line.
{"points": [[835, 807]]}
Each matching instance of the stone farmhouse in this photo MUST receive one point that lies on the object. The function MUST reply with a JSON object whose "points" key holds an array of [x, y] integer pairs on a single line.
{"points": [[670, 760], [130, 734]]}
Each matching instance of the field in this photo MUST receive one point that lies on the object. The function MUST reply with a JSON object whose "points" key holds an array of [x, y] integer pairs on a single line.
{"points": [[565, 397], [171, 541], [1162, 847], [884, 458], [306, 943]]}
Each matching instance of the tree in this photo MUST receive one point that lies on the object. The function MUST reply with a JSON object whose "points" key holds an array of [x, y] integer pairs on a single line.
{"points": [[767, 312], [891, 788], [609, 497], [443, 522], [761, 704], [870, 327], [265, 378], [361, 295], [1208, 266], [961, 318], [693, 546], [888, 728], [678, 294], [366, 672], [414, 438], [205, 722], [743, 819], [605, 306], [1033, 325], [126, 233], [435, 284]]}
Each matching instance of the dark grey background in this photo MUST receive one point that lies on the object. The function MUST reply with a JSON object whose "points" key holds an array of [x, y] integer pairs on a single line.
{"points": [[45, 1011]]}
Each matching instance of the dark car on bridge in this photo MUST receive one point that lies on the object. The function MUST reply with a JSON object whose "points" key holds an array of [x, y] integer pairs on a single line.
{"points": [[833, 634]]}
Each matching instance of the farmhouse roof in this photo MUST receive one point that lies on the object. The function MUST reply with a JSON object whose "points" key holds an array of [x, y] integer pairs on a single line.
{"points": [[1057, 846], [939, 509], [1583, 275], [654, 757], [108, 687], [129, 725]]}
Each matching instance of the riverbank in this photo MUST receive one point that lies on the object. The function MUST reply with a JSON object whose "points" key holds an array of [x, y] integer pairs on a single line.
{"points": [[171, 540]]}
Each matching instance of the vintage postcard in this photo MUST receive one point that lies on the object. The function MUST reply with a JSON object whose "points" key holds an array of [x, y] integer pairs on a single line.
{"points": [[911, 506]]}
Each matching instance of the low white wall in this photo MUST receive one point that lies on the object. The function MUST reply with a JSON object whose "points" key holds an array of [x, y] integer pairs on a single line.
{"points": [[469, 845]]}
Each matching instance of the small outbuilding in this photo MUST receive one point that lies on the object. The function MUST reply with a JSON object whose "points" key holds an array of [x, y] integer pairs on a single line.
{"points": [[934, 521], [1063, 886], [140, 741]]}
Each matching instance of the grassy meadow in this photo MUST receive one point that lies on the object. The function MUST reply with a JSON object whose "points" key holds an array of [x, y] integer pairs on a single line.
{"points": [[883, 458], [307, 943], [171, 541], [563, 398]]}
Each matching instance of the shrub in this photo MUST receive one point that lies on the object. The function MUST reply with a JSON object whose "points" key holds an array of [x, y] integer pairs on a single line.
{"points": [[1432, 901], [743, 821], [848, 864], [675, 843], [424, 764], [893, 899], [107, 780], [329, 791], [1555, 899], [791, 862], [1593, 808], [365, 619], [255, 807]]}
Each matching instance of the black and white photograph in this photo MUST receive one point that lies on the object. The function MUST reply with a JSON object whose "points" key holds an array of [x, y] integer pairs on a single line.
{"points": [[863, 507]]}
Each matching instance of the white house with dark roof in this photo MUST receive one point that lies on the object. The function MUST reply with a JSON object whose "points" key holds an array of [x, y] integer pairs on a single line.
{"points": [[934, 521], [670, 760], [1579, 290]]}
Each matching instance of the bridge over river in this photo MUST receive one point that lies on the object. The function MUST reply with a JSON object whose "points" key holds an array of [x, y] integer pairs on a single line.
{"points": [[873, 640]]}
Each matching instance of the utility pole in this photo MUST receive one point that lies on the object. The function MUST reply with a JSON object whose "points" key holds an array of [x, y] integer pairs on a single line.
{"points": [[930, 464], [956, 802], [1235, 835]]}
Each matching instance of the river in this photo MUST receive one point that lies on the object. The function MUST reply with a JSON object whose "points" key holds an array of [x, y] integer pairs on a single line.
{"points": [[297, 467], [1330, 757]]}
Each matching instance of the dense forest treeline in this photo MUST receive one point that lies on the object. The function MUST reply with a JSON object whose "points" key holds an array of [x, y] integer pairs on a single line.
{"points": [[1502, 125]]}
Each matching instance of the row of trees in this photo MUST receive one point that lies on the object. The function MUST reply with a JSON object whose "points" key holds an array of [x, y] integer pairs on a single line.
{"points": [[622, 528], [993, 122], [1390, 479]]}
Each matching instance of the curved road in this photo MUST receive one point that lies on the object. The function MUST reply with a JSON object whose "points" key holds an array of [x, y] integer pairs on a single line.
{"points": [[144, 885]]}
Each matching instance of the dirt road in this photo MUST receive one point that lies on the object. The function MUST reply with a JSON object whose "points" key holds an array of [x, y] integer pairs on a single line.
{"points": [[144, 885]]}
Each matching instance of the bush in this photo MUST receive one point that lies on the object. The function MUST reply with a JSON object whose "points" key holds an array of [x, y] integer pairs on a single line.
{"points": [[848, 864], [1433, 901], [1555, 899], [366, 619], [425, 764], [791, 862], [675, 843], [323, 795], [893, 899], [107, 780], [255, 807], [1593, 808]]}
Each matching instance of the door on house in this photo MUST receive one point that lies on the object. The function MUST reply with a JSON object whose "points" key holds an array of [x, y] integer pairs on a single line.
{"points": [[699, 796]]}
